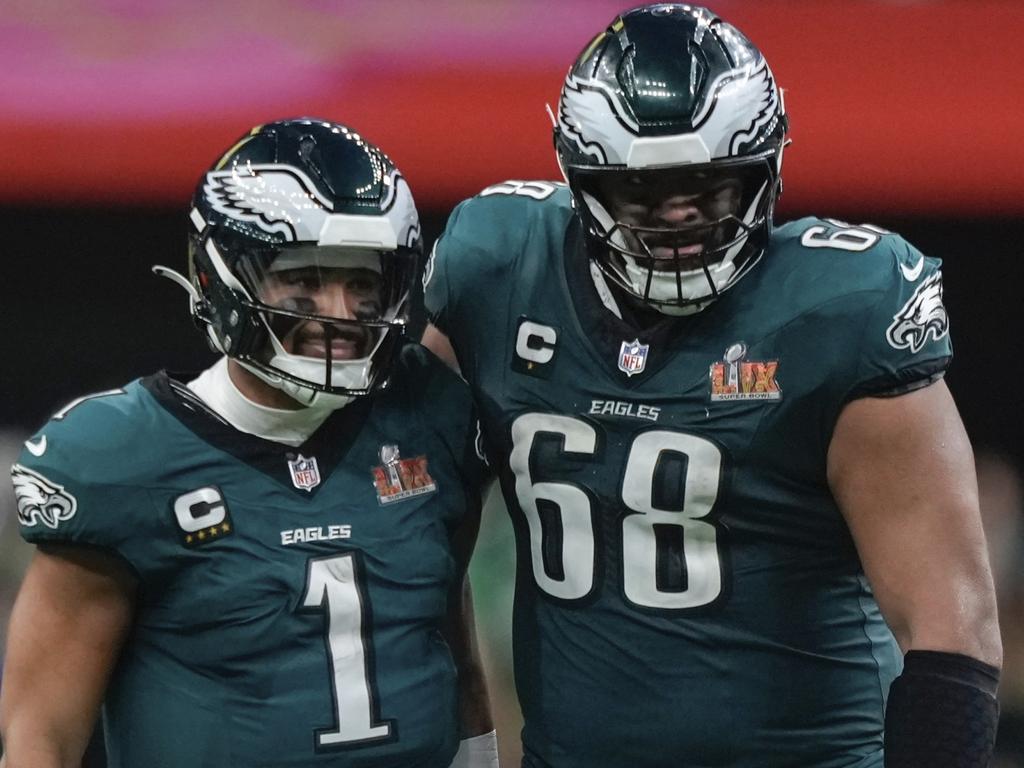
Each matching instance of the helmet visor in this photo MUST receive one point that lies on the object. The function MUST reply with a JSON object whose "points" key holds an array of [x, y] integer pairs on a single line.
{"points": [[679, 217], [328, 310]]}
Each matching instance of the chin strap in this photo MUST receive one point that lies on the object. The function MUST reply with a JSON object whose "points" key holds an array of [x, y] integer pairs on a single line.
{"points": [[603, 291]]}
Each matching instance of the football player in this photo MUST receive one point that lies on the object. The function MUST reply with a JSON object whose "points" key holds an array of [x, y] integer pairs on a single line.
{"points": [[217, 562], [744, 502]]}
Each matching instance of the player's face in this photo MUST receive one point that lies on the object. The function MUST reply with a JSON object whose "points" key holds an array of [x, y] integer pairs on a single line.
{"points": [[671, 212], [344, 293]]}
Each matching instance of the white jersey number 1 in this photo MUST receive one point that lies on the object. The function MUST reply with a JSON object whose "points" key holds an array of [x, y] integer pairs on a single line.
{"points": [[332, 584]]}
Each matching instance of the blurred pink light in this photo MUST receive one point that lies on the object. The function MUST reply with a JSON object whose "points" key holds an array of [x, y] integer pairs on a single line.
{"points": [[99, 61]]}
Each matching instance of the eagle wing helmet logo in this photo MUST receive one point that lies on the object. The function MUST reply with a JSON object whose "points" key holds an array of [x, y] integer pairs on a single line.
{"points": [[41, 500], [591, 104], [278, 199], [724, 120], [922, 316]]}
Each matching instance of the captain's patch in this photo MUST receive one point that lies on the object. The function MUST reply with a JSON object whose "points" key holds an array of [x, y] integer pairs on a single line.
{"points": [[536, 348], [202, 515], [397, 478], [41, 500], [922, 316]]}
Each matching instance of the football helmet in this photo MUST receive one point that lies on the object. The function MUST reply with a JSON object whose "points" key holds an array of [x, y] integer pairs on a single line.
{"points": [[670, 131], [303, 252]]}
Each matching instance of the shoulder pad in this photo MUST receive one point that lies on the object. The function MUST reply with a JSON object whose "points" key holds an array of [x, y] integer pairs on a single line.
{"points": [[486, 239], [880, 297], [847, 258], [508, 210], [79, 439], [77, 479]]}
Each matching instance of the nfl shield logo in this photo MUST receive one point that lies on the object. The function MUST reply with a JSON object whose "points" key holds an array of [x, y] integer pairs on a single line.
{"points": [[633, 357], [305, 473]]}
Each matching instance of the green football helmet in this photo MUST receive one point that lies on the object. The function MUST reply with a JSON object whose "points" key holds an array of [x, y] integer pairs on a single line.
{"points": [[670, 132], [291, 205]]}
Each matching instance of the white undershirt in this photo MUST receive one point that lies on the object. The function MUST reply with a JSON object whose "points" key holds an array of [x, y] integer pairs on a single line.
{"points": [[291, 427]]}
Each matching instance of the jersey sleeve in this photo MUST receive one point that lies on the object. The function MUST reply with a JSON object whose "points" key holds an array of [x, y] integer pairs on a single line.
{"points": [[476, 465], [462, 433], [445, 272], [905, 341], [73, 486], [472, 269], [57, 504], [444, 401]]}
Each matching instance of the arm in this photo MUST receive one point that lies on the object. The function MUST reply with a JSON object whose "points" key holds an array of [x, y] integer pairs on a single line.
{"points": [[460, 632], [474, 705], [69, 621], [902, 472], [478, 748], [437, 342]]}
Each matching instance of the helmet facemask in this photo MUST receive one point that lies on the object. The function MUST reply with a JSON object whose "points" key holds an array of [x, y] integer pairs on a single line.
{"points": [[321, 323], [675, 238]]}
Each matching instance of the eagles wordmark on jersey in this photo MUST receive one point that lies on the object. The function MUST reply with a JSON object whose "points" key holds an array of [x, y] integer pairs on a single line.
{"points": [[290, 599], [688, 592]]}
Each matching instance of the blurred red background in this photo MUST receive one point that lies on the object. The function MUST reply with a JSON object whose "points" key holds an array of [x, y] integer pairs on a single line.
{"points": [[914, 106]]}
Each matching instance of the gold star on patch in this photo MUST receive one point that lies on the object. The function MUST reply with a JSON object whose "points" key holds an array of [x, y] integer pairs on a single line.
{"points": [[225, 527], [201, 535]]}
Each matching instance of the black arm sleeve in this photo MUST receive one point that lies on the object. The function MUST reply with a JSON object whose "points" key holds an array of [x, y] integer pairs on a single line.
{"points": [[942, 712]]}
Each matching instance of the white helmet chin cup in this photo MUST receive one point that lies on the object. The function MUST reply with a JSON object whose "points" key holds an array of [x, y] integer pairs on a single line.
{"points": [[692, 285], [353, 375], [347, 374], [307, 397]]}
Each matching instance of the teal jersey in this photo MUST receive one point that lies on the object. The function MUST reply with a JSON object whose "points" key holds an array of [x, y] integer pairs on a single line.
{"points": [[688, 593], [290, 599]]}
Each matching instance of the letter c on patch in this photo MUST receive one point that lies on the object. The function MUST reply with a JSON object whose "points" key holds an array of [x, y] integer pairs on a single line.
{"points": [[535, 342], [198, 509]]}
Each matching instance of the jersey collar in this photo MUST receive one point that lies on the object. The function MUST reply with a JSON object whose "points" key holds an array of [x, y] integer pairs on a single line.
{"points": [[330, 443], [291, 427]]}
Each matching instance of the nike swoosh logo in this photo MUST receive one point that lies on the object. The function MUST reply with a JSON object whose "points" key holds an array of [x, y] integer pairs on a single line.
{"points": [[914, 272], [37, 448]]}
